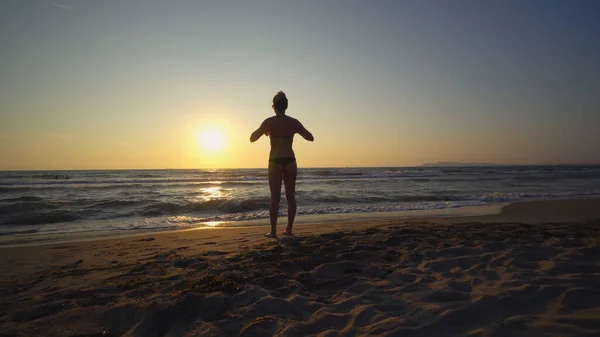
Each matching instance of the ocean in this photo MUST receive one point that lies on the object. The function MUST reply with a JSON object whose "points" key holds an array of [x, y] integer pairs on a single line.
{"points": [[35, 204]]}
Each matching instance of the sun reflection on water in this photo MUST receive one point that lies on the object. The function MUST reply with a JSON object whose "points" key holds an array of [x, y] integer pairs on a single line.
{"points": [[210, 193], [212, 223]]}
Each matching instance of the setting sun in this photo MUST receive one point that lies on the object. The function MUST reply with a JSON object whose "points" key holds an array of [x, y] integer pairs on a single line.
{"points": [[212, 140]]}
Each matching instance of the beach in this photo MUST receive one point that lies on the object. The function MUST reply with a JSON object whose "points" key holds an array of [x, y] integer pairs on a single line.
{"points": [[531, 270], [438, 163]]}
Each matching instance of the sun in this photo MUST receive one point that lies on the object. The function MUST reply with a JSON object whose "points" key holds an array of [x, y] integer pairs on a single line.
{"points": [[212, 140]]}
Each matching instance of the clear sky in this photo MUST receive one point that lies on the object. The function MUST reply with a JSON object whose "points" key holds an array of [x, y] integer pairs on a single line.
{"points": [[136, 84]]}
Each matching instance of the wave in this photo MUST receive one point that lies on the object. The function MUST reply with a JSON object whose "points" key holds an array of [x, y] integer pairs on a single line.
{"points": [[238, 178], [27, 231], [23, 198], [495, 197], [469, 179], [116, 203], [118, 186], [120, 196], [215, 205], [334, 172], [147, 175], [26, 207], [24, 188], [48, 218], [164, 214], [242, 178], [316, 197], [16, 209], [178, 184], [48, 176], [556, 176], [120, 183], [345, 209]]}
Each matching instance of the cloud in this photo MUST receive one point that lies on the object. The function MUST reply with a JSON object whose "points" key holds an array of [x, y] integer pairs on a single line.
{"points": [[57, 5]]}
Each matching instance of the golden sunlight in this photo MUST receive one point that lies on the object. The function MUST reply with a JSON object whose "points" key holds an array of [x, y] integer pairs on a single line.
{"points": [[212, 140]]}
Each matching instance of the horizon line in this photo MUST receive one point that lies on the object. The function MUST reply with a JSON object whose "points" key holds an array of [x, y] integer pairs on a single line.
{"points": [[425, 165]]}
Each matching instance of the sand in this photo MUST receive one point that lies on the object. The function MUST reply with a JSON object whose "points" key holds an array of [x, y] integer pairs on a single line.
{"points": [[533, 270]]}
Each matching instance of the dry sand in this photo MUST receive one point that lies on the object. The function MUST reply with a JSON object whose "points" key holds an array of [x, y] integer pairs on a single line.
{"points": [[533, 270]]}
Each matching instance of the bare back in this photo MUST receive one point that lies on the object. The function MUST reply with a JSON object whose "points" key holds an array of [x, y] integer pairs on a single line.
{"points": [[281, 130]]}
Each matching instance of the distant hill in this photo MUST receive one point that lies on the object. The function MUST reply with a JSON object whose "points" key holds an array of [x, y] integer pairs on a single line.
{"points": [[456, 163]]}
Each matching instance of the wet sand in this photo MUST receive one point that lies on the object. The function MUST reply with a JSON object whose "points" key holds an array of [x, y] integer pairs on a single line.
{"points": [[532, 270]]}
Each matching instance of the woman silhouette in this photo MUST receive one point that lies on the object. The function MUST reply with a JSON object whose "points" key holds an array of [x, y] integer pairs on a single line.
{"points": [[282, 161]]}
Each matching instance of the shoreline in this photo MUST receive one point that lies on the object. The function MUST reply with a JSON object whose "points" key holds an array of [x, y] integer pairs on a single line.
{"points": [[476, 213], [22, 240]]}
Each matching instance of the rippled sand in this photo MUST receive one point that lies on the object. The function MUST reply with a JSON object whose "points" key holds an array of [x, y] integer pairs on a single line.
{"points": [[513, 274]]}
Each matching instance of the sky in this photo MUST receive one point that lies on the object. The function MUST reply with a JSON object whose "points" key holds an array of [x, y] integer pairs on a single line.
{"points": [[138, 84]]}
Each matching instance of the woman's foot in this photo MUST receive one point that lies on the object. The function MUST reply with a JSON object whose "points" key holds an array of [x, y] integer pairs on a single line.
{"points": [[288, 232], [271, 235]]}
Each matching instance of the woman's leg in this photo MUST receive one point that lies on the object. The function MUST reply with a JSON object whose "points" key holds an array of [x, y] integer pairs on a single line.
{"points": [[275, 173], [289, 179]]}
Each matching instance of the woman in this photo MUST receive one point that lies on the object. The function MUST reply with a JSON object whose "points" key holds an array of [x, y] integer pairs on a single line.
{"points": [[282, 161]]}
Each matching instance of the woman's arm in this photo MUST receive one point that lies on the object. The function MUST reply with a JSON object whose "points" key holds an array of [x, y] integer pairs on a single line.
{"points": [[304, 133], [262, 130]]}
